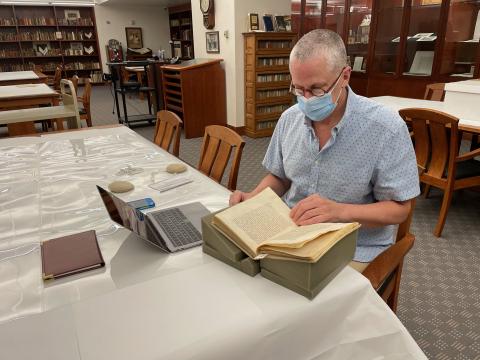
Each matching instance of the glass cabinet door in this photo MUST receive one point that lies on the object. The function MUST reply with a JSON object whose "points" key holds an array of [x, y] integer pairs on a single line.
{"points": [[296, 14], [313, 15], [335, 16], [422, 34], [387, 37], [358, 32], [462, 36]]}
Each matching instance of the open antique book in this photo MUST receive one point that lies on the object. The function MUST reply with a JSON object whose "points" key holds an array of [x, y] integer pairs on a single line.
{"points": [[262, 226]]}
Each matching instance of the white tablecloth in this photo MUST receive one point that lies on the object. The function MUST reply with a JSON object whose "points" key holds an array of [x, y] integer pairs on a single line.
{"points": [[17, 75], [146, 304], [25, 90]]}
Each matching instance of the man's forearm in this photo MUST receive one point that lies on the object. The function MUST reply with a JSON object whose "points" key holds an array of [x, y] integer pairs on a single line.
{"points": [[280, 186], [377, 214]]}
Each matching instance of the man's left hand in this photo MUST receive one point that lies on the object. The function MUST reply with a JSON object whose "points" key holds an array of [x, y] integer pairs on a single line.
{"points": [[315, 209]]}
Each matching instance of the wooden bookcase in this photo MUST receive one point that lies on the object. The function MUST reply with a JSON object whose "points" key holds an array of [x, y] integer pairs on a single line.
{"points": [[267, 80], [392, 56], [72, 43], [195, 91], [181, 31]]}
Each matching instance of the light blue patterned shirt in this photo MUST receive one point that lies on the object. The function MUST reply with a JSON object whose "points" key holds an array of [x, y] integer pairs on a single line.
{"points": [[368, 158]]}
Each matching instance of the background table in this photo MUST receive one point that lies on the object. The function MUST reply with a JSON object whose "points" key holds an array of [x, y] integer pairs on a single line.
{"points": [[22, 77], [26, 96], [146, 304], [471, 125]]}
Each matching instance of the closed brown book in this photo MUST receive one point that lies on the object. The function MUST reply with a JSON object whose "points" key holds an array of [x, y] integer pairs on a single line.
{"points": [[70, 255]]}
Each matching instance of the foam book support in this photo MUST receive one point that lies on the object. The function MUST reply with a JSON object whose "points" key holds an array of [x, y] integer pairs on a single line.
{"points": [[306, 279]]}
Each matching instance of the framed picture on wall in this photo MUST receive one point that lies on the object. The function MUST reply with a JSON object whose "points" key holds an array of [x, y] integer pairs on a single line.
{"points": [[134, 37], [213, 42], [72, 15]]}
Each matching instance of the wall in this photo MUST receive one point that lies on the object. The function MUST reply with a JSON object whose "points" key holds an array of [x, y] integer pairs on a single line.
{"points": [[152, 19], [231, 17]]}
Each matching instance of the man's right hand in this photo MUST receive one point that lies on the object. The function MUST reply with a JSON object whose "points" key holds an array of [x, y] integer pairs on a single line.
{"points": [[238, 197]]}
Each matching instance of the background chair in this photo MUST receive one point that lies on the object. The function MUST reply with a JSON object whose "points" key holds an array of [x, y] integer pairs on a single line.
{"points": [[74, 81], [168, 128], [217, 146], [435, 92], [84, 100], [56, 78], [436, 147]]}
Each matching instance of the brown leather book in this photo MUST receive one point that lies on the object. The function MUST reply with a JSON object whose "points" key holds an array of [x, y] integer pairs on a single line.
{"points": [[70, 255]]}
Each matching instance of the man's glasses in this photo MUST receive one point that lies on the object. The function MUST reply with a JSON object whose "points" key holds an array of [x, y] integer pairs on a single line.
{"points": [[314, 91]]}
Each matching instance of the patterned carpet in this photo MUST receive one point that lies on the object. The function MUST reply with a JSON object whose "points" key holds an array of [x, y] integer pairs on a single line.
{"points": [[440, 292]]}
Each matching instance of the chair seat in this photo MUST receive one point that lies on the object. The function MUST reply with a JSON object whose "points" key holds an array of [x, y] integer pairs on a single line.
{"points": [[466, 169]]}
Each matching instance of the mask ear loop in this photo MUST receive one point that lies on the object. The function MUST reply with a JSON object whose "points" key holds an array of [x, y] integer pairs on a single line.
{"points": [[340, 93]]}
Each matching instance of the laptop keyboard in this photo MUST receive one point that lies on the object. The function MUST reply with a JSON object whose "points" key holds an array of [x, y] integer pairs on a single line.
{"points": [[178, 228]]}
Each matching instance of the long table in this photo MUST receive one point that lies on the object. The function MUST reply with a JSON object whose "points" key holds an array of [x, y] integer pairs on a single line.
{"points": [[146, 304], [471, 125], [22, 77]]}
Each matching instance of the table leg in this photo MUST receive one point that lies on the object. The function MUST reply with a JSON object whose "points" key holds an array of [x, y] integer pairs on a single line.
{"points": [[140, 81], [59, 122]]}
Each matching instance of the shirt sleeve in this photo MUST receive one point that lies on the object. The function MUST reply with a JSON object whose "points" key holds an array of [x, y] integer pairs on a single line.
{"points": [[396, 175], [273, 160]]}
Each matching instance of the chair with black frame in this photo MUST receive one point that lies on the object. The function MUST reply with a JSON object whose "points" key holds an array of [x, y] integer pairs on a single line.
{"points": [[167, 129], [436, 139], [218, 143], [123, 87]]}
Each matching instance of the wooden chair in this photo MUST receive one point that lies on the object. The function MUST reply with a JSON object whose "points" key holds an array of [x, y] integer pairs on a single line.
{"points": [[385, 271], [435, 92], [436, 138], [85, 113], [74, 81], [217, 146], [57, 77], [168, 128]]}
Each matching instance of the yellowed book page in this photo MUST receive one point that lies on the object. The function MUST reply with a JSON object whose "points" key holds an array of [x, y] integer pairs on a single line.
{"points": [[315, 249], [297, 237], [257, 219]]}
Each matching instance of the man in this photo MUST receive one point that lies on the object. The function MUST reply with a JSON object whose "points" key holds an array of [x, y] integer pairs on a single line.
{"points": [[336, 156]]}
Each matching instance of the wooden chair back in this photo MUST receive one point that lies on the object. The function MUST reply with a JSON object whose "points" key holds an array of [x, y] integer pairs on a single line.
{"points": [[74, 81], [436, 140], [218, 143], [167, 129], [57, 77], [435, 92]]}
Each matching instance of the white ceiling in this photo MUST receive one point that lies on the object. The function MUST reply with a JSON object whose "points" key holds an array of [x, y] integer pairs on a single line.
{"points": [[146, 2]]}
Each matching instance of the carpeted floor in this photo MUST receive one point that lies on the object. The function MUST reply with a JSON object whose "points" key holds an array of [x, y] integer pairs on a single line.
{"points": [[440, 292]]}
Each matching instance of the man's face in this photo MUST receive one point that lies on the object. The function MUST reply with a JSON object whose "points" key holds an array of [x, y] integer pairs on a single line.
{"points": [[314, 73]]}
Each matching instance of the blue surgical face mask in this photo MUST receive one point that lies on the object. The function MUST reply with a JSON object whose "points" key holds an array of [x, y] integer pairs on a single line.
{"points": [[318, 108]]}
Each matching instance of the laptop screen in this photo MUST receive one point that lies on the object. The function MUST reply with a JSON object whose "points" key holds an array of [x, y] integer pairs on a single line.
{"points": [[123, 214]]}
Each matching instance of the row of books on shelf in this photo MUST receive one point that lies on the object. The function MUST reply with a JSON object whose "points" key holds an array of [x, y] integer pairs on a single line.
{"points": [[272, 108], [264, 94], [5, 53], [266, 125], [272, 61], [75, 22], [274, 44], [36, 21], [178, 22], [7, 22], [182, 35], [46, 21], [180, 50], [46, 35], [88, 65], [273, 77], [51, 66]]}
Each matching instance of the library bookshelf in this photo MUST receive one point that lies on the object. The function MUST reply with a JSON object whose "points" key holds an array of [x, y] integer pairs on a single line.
{"points": [[267, 80], [43, 37]]}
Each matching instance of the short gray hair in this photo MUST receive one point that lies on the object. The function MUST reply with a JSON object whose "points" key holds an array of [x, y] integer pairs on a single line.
{"points": [[321, 42]]}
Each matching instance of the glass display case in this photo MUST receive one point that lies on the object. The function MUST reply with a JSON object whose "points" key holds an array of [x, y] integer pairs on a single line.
{"points": [[335, 16], [461, 45], [389, 16], [313, 15], [414, 42], [359, 21], [296, 16], [422, 34]]}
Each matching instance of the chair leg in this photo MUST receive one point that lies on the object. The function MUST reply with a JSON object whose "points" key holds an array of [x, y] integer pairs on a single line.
{"points": [[447, 199], [426, 191]]}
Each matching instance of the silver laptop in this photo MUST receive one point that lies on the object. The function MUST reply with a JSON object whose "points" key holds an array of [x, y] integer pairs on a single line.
{"points": [[171, 229]]}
